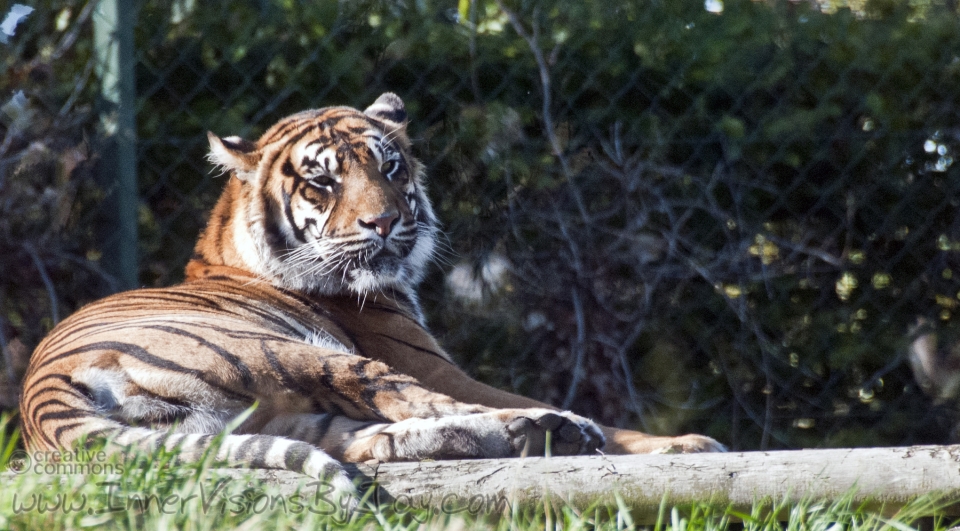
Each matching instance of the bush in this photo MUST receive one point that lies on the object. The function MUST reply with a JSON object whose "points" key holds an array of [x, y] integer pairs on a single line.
{"points": [[713, 222]]}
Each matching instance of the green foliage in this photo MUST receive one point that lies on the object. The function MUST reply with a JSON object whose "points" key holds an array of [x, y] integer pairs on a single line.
{"points": [[724, 223]]}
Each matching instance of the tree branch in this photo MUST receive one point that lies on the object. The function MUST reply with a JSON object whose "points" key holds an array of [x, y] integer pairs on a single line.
{"points": [[48, 284], [544, 70]]}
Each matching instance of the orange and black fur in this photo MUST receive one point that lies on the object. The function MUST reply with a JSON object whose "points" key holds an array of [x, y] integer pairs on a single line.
{"points": [[301, 298]]}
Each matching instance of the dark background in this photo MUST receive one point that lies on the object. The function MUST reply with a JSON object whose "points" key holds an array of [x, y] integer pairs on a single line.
{"points": [[659, 216]]}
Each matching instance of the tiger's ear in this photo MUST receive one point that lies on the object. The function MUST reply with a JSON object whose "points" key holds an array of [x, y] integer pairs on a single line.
{"points": [[388, 107], [234, 154]]}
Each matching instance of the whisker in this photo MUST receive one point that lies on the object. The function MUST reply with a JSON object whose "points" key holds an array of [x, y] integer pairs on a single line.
{"points": [[444, 252]]}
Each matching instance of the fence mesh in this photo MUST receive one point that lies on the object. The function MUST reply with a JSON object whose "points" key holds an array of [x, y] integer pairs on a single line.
{"points": [[736, 218]]}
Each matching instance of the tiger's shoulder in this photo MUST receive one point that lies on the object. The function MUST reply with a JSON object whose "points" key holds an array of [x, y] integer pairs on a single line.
{"points": [[230, 296]]}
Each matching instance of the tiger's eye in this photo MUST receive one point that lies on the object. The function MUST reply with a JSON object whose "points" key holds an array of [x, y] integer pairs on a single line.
{"points": [[322, 180], [388, 167]]}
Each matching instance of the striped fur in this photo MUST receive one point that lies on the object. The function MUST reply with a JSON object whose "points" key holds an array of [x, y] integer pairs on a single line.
{"points": [[300, 298]]}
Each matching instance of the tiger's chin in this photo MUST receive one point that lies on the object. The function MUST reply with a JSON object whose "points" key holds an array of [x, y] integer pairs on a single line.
{"points": [[382, 273], [379, 273], [393, 267]]}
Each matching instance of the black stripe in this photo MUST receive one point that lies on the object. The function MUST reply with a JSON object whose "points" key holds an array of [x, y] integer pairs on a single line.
{"points": [[286, 378], [414, 347], [323, 426], [246, 377], [60, 415], [164, 436], [103, 433], [120, 304], [50, 443], [144, 356], [287, 170], [387, 309], [248, 303], [334, 410], [291, 123], [251, 334], [136, 300], [104, 328], [204, 441], [396, 115], [69, 387], [129, 349], [298, 232], [36, 418], [370, 389], [326, 379], [255, 449], [221, 228], [272, 233], [261, 336], [51, 402], [305, 131], [296, 456], [57, 433]]}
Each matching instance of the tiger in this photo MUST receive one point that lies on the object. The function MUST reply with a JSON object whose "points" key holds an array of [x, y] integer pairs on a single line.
{"points": [[300, 298]]}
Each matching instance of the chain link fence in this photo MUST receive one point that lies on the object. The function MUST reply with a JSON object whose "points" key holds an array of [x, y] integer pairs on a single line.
{"points": [[736, 218]]}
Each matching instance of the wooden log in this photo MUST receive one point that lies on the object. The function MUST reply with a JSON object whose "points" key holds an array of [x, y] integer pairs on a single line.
{"points": [[882, 477]]}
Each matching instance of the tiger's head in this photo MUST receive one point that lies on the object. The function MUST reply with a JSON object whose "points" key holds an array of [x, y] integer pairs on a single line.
{"points": [[327, 201]]}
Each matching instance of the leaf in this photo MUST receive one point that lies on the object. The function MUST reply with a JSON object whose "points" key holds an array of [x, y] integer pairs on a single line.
{"points": [[18, 111], [17, 13]]}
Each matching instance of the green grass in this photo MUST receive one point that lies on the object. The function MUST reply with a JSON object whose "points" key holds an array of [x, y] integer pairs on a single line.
{"points": [[149, 492]]}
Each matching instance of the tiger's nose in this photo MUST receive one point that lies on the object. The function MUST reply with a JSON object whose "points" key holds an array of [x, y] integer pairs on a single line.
{"points": [[382, 224]]}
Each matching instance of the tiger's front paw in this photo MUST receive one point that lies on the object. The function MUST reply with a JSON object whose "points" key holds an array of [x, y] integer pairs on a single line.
{"points": [[569, 434], [632, 442], [689, 444], [491, 435]]}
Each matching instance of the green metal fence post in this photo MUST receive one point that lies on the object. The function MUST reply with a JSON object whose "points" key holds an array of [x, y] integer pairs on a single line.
{"points": [[114, 21]]}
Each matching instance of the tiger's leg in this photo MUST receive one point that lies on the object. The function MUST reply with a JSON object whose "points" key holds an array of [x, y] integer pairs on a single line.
{"points": [[364, 389], [450, 380], [405, 398], [500, 433]]}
